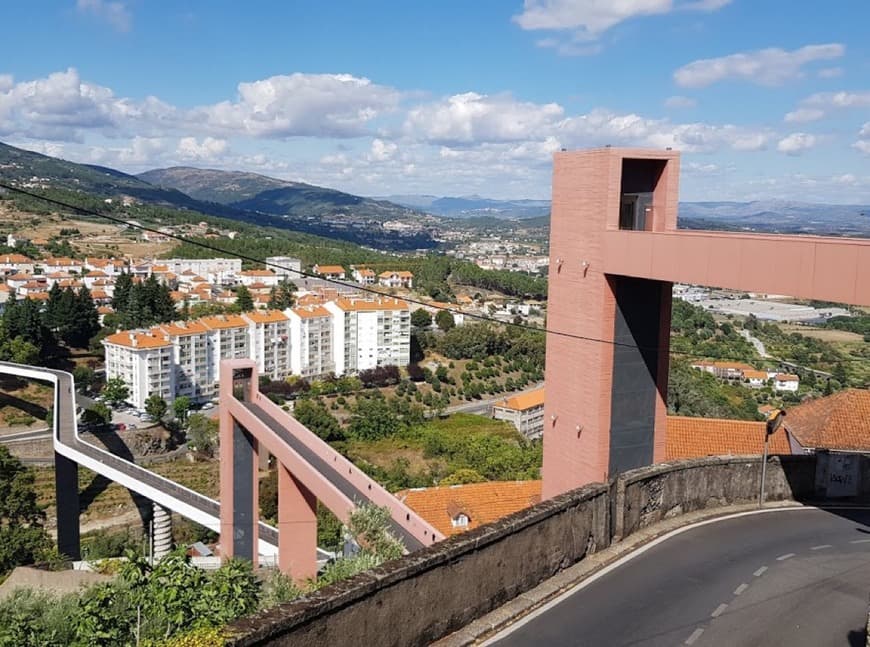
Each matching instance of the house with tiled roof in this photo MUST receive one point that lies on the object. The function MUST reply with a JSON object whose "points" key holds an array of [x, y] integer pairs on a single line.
{"points": [[786, 382], [699, 437], [329, 271], [457, 508], [16, 264], [838, 422], [400, 279], [755, 379], [525, 411], [262, 277], [364, 275]]}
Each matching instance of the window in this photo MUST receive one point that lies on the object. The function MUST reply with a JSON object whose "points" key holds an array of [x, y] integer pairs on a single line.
{"points": [[461, 520]]}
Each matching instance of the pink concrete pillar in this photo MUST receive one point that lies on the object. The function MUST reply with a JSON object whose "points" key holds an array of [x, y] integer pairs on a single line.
{"points": [[297, 527]]}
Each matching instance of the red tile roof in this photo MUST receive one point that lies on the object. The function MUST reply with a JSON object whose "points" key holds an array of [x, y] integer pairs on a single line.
{"points": [[699, 437], [838, 421], [523, 401], [482, 503]]}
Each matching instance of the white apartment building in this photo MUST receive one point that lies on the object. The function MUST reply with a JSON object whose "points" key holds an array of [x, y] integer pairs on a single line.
{"points": [[266, 277], [311, 348], [190, 346], [269, 334], [369, 333], [228, 338], [525, 411], [144, 362], [285, 267], [216, 270]]}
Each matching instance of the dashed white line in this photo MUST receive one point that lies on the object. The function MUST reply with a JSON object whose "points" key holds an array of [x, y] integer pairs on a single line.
{"points": [[760, 571], [782, 558], [740, 589], [860, 541], [821, 547], [718, 611], [695, 635]]}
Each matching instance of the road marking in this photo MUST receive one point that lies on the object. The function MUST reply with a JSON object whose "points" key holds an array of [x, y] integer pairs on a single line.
{"points": [[740, 589], [860, 541], [559, 599], [785, 557], [695, 635], [821, 547], [718, 611]]}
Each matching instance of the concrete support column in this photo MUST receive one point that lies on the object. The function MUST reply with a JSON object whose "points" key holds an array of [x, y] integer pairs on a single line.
{"points": [[66, 483], [161, 532], [239, 490], [297, 527]]}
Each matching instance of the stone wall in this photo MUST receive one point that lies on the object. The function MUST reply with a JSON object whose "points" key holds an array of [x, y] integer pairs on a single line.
{"points": [[429, 594]]}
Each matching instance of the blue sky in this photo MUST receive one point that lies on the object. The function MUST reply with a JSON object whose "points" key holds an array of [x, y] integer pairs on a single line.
{"points": [[766, 99]]}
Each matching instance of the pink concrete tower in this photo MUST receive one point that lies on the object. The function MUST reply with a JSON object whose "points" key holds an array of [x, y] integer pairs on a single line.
{"points": [[605, 402], [615, 252]]}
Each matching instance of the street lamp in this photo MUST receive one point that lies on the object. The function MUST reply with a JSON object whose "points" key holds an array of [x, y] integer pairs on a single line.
{"points": [[774, 420]]}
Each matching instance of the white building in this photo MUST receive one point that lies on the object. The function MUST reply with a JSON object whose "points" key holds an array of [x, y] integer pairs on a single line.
{"points": [[144, 362], [266, 277], [401, 279], [786, 382], [311, 348], [217, 270], [525, 411], [190, 344], [364, 276], [269, 334], [285, 267], [228, 338], [369, 333]]}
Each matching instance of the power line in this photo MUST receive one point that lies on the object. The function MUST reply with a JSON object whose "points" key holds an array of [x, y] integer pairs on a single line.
{"points": [[355, 286]]}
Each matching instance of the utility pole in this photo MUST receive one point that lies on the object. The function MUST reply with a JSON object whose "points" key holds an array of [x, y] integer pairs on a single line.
{"points": [[774, 420]]}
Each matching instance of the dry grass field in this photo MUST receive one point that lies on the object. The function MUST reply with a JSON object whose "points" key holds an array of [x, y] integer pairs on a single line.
{"points": [[825, 334]]}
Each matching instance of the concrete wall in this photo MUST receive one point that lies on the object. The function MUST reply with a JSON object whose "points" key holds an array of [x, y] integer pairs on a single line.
{"points": [[431, 593]]}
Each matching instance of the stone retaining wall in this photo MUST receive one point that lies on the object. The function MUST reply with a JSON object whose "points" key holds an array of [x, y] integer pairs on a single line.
{"points": [[429, 594]]}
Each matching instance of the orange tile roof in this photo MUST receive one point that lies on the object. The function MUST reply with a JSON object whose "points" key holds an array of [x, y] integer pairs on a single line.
{"points": [[224, 321], [14, 258], [482, 503], [99, 294], [96, 274], [699, 437], [329, 269], [364, 271], [136, 340], [266, 316], [61, 261], [737, 366], [309, 299], [838, 421], [358, 305], [755, 375], [523, 401], [404, 274], [38, 296], [180, 328], [159, 268], [309, 312], [105, 310], [787, 377], [19, 277]]}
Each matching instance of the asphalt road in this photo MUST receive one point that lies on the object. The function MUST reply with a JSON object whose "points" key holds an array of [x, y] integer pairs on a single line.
{"points": [[791, 578]]}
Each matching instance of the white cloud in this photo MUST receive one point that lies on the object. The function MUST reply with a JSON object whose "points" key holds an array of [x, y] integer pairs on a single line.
{"points": [[117, 14], [796, 143], [804, 115], [865, 130], [589, 18], [863, 143], [382, 151], [830, 72], [678, 101], [318, 105], [771, 66], [469, 118], [6, 82], [209, 149]]}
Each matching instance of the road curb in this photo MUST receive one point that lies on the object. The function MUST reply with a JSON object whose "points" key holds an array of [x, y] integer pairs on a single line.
{"points": [[488, 626]]}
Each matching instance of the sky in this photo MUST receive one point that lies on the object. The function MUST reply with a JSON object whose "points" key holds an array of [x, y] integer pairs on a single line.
{"points": [[766, 99]]}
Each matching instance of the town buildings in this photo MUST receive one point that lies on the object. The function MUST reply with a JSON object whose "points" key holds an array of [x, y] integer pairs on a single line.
{"points": [[524, 411], [183, 358]]}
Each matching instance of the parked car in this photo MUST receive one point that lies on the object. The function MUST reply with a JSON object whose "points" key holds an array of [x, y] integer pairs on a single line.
{"points": [[208, 405]]}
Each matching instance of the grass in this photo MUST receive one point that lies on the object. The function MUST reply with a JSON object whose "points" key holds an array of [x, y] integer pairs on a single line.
{"points": [[825, 334]]}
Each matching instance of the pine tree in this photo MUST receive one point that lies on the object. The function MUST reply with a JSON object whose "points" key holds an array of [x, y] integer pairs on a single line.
{"points": [[86, 323], [134, 314], [244, 300], [123, 286], [52, 307]]}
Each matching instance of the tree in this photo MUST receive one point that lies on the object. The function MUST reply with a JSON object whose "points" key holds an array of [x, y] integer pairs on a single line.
{"points": [[181, 407], [316, 417], [19, 350], [85, 320], [22, 536], [155, 406], [115, 391], [282, 296], [421, 318], [202, 434], [373, 419], [244, 300], [444, 320], [97, 414], [123, 286], [84, 377]]}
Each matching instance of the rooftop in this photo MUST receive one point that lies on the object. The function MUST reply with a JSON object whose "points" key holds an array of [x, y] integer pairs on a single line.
{"points": [[699, 437], [523, 401], [840, 421]]}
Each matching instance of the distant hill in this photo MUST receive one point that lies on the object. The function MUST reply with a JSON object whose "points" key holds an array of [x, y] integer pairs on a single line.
{"points": [[254, 192], [36, 171], [475, 206]]}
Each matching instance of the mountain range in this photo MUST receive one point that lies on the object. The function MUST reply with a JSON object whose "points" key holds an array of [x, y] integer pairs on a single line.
{"points": [[474, 206], [246, 197]]}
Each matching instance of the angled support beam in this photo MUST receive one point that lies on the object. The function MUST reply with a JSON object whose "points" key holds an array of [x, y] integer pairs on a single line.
{"points": [[297, 527]]}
